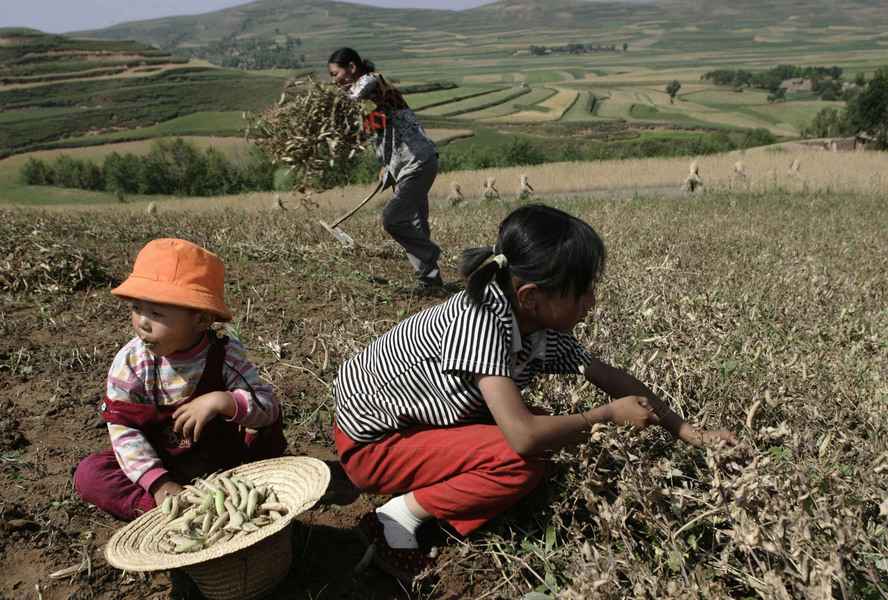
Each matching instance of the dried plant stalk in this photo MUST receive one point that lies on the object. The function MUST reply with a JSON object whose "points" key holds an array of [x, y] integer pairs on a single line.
{"points": [[314, 130]]}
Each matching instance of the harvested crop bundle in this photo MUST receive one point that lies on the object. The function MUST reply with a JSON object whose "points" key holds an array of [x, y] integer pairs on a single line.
{"points": [[217, 510], [315, 130]]}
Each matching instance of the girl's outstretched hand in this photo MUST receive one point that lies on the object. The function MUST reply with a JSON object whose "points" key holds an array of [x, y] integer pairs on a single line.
{"points": [[713, 438], [632, 410], [702, 438]]}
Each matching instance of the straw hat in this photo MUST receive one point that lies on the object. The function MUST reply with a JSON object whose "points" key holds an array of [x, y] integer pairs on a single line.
{"points": [[171, 271], [246, 566]]}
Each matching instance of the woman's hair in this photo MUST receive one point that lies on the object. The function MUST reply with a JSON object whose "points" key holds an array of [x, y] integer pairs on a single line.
{"points": [[543, 245], [346, 56]]}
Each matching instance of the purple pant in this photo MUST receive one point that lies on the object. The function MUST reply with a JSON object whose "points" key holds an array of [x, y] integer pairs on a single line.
{"points": [[100, 481]]}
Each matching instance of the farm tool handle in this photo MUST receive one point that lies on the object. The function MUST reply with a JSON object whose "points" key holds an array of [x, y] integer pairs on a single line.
{"points": [[358, 207]]}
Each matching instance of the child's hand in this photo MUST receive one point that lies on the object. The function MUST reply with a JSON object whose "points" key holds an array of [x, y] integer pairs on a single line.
{"points": [[191, 418], [701, 438], [632, 410], [165, 487]]}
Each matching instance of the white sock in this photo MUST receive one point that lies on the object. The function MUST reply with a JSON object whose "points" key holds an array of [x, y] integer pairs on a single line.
{"points": [[399, 524], [431, 274]]}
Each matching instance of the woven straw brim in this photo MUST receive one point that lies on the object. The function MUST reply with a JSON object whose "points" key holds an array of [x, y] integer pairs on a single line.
{"points": [[299, 482]]}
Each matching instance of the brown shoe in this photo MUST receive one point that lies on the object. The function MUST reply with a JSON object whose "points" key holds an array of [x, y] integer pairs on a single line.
{"points": [[401, 563]]}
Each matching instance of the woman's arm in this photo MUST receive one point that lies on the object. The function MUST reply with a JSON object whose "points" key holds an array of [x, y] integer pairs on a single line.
{"points": [[530, 435], [617, 383]]}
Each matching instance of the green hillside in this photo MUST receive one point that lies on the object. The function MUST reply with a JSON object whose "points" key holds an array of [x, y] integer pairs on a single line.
{"points": [[618, 56], [54, 87], [497, 29]]}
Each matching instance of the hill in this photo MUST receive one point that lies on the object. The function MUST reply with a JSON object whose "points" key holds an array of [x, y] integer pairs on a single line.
{"points": [[390, 33], [54, 87], [30, 56]]}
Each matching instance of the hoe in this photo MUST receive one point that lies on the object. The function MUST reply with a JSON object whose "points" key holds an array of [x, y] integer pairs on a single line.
{"points": [[344, 238]]}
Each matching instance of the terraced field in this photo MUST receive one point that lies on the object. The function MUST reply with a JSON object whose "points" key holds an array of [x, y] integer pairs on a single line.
{"points": [[536, 96], [552, 109], [477, 103], [428, 100], [134, 91]]}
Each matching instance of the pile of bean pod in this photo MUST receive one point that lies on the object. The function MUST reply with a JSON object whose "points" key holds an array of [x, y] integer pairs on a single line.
{"points": [[217, 510], [313, 130]]}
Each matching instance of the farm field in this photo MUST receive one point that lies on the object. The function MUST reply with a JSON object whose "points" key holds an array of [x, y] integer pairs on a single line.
{"points": [[531, 99], [756, 304], [551, 109], [425, 100], [461, 107], [453, 47], [771, 360], [150, 92]]}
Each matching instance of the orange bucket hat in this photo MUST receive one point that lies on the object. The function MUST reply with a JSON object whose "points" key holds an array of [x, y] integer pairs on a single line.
{"points": [[171, 271]]}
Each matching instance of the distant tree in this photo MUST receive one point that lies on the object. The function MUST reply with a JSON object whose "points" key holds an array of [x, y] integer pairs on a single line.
{"points": [[121, 173], [778, 95], [672, 89], [66, 171], [625, 46], [220, 176], [36, 172], [829, 122], [91, 177], [523, 152], [860, 80], [868, 110]]}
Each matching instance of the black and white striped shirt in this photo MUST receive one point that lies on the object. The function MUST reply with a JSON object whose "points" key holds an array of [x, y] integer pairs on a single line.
{"points": [[422, 371]]}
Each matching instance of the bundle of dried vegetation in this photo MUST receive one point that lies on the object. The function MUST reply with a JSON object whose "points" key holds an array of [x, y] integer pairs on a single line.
{"points": [[315, 130], [39, 261]]}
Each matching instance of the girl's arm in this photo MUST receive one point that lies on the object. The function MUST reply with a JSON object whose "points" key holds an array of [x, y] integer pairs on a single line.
{"points": [[255, 403], [530, 435], [618, 383]]}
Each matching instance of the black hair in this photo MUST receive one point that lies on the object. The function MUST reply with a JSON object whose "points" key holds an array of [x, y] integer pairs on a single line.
{"points": [[543, 245], [346, 56]]}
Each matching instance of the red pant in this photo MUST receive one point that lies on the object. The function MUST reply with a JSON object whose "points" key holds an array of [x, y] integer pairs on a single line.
{"points": [[464, 475], [99, 481]]}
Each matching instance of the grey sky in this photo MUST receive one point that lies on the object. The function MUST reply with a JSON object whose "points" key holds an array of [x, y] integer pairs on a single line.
{"points": [[58, 16]]}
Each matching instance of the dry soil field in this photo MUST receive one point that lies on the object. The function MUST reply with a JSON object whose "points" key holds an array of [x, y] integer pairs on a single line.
{"points": [[759, 309]]}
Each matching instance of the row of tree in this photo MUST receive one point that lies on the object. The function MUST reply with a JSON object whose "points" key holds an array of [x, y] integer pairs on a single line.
{"points": [[172, 167], [575, 48], [253, 54], [825, 80], [866, 112]]}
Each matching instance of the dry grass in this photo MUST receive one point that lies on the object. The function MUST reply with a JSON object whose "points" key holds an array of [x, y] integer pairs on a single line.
{"points": [[767, 170], [763, 313]]}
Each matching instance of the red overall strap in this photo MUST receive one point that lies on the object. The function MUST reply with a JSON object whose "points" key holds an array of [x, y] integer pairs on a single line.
{"points": [[222, 444], [140, 416]]}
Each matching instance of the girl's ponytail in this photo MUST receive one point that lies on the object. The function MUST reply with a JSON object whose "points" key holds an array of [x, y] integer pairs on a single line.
{"points": [[541, 245], [368, 66], [479, 267]]}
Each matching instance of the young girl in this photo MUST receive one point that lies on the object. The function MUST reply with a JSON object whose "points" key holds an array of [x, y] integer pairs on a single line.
{"points": [[180, 402], [408, 156], [432, 410]]}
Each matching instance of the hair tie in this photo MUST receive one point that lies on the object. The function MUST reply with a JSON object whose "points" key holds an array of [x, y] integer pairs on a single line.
{"points": [[500, 260]]}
